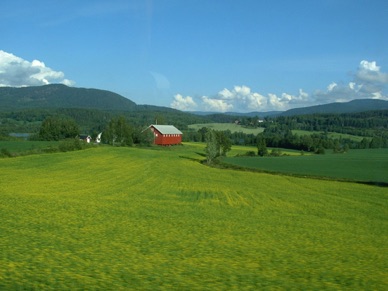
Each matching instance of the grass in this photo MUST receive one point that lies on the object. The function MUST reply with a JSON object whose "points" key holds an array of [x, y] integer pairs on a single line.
{"points": [[333, 135], [357, 165], [20, 146], [127, 218], [228, 126]]}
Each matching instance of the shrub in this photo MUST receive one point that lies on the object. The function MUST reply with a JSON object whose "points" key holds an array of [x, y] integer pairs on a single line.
{"points": [[4, 153], [72, 145]]}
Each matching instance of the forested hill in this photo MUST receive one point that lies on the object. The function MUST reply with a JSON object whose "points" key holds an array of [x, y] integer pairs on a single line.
{"points": [[358, 105], [61, 96]]}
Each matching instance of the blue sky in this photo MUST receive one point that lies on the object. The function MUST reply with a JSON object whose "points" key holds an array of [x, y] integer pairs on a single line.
{"points": [[209, 55]]}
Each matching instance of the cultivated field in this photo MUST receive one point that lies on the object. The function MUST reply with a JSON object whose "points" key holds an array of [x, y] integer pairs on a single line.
{"points": [[356, 165], [334, 135], [127, 218], [227, 126], [26, 146]]}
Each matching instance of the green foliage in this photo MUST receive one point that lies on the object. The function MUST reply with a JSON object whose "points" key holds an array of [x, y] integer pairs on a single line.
{"points": [[102, 219], [118, 132], [143, 137], [54, 128], [4, 153], [224, 144], [72, 145], [261, 146], [276, 153], [211, 148], [217, 144]]}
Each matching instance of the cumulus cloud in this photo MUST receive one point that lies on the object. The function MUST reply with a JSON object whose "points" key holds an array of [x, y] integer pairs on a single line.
{"points": [[216, 104], [239, 99], [17, 72], [367, 82], [183, 103], [369, 72]]}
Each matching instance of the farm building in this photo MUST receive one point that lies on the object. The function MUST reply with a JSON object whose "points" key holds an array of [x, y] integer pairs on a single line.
{"points": [[85, 138], [166, 134]]}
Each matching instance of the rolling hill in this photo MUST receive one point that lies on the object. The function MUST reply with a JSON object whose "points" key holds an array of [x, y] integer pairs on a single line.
{"points": [[61, 96], [358, 105], [353, 106]]}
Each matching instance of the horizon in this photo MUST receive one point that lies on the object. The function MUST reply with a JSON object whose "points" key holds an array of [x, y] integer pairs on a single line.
{"points": [[218, 56]]}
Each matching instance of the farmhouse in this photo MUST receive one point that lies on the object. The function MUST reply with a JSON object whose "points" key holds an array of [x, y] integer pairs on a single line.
{"points": [[166, 134], [85, 138]]}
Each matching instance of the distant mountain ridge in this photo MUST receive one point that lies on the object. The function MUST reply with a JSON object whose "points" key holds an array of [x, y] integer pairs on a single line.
{"points": [[358, 105], [56, 96], [61, 96]]}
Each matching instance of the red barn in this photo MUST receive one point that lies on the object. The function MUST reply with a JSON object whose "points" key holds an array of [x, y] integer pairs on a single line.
{"points": [[166, 134]]}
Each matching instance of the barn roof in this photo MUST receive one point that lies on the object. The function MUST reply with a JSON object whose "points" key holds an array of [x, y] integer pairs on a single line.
{"points": [[166, 129]]}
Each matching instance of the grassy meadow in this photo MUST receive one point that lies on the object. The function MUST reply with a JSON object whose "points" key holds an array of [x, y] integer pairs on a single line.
{"points": [[334, 135], [157, 219], [22, 146], [227, 126]]}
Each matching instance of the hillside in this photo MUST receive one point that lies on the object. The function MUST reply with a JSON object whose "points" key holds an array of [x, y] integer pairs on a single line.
{"points": [[353, 106], [359, 105], [61, 96], [22, 109]]}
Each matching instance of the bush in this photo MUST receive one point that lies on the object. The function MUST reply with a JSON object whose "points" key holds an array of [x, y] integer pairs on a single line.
{"points": [[4, 153], [72, 145], [276, 152]]}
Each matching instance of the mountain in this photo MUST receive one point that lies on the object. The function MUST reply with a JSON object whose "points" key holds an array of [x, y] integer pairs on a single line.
{"points": [[61, 96], [58, 96], [358, 105]]}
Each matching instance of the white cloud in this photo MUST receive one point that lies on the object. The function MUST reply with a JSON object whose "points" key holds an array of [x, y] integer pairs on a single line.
{"points": [[331, 87], [370, 72], [369, 66], [368, 82], [17, 72], [183, 103], [216, 104], [239, 99]]}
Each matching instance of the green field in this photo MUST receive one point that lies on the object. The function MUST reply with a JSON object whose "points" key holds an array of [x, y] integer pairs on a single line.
{"points": [[128, 218], [227, 126], [333, 135], [357, 165], [20, 146]]}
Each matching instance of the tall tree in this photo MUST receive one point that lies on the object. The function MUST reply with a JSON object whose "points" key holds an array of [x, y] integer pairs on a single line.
{"points": [[261, 145], [118, 132], [224, 144], [211, 148], [54, 128]]}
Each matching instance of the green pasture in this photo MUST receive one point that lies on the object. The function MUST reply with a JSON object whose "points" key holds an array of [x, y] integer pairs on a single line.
{"points": [[144, 219], [227, 126], [238, 150], [19, 146], [357, 165], [334, 135]]}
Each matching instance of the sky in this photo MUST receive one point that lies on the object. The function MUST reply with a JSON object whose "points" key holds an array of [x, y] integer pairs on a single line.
{"points": [[201, 55]]}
